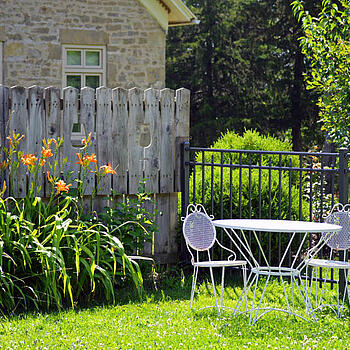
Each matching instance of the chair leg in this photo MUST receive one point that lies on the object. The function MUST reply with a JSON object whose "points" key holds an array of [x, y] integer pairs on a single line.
{"points": [[314, 281], [347, 286], [194, 281], [213, 283], [222, 288], [346, 291], [324, 286], [245, 286]]}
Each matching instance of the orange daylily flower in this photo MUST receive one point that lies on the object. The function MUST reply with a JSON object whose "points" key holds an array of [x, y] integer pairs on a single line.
{"points": [[46, 152], [86, 160], [10, 139], [47, 143], [80, 161], [15, 138], [4, 164], [90, 159], [107, 169], [28, 159], [49, 178], [61, 186], [84, 142], [42, 162]]}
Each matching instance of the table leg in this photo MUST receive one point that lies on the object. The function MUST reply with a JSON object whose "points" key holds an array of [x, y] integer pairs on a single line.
{"points": [[285, 293], [306, 299], [260, 301], [244, 293]]}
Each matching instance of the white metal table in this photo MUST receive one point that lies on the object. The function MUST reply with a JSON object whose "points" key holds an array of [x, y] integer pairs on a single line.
{"points": [[237, 229]]}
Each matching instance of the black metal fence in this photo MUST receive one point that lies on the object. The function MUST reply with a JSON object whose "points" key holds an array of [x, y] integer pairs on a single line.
{"points": [[265, 184]]}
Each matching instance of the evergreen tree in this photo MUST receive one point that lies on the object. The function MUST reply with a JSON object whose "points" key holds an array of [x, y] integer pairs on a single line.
{"points": [[244, 68]]}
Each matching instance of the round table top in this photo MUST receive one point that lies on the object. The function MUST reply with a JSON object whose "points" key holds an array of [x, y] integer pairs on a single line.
{"points": [[270, 225]]}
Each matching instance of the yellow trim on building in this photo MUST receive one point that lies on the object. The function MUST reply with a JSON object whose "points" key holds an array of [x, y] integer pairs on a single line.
{"points": [[170, 12]]}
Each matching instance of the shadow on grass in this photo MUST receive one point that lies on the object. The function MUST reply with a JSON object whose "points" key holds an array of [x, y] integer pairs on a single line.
{"points": [[174, 284]]}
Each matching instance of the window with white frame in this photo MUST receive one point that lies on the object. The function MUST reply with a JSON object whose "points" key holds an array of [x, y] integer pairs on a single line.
{"points": [[84, 66]]}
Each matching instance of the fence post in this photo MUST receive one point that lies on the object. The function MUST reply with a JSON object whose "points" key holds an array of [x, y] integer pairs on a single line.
{"points": [[185, 191], [343, 199], [185, 176]]}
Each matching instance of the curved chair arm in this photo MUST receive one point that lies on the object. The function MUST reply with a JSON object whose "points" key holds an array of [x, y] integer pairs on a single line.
{"points": [[233, 254], [314, 250], [189, 249]]}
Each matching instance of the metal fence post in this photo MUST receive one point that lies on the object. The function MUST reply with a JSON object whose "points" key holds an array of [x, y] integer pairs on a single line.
{"points": [[343, 199], [185, 191], [185, 176]]}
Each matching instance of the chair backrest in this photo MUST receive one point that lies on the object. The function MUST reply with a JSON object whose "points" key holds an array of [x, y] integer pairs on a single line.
{"points": [[339, 215], [198, 229]]}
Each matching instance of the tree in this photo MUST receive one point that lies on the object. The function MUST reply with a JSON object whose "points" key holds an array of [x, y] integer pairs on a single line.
{"points": [[244, 67], [326, 46]]}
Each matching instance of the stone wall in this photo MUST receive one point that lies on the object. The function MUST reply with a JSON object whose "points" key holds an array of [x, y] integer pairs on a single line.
{"points": [[34, 30]]}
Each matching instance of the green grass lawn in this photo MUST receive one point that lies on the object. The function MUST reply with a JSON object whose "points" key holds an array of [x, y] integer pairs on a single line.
{"points": [[164, 320]]}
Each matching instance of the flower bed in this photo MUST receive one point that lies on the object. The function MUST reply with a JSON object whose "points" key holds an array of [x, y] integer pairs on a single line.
{"points": [[53, 251]]}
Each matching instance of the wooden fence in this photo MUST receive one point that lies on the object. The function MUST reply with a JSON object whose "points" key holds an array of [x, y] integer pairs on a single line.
{"points": [[136, 130]]}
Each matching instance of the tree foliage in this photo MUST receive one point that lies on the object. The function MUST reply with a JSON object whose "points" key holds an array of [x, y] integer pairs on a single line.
{"points": [[244, 67], [326, 45]]}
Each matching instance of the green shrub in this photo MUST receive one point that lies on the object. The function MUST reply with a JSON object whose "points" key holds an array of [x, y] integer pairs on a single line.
{"points": [[251, 140], [132, 219], [275, 204]]}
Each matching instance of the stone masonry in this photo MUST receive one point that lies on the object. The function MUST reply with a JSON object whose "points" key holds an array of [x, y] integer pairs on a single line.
{"points": [[33, 32]]}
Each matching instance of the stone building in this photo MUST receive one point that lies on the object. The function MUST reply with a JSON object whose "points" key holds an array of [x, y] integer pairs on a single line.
{"points": [[87, 42]]}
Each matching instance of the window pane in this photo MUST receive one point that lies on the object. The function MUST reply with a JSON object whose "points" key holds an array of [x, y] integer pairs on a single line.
{"points": [[73, 58], [74, 80], [93, 81], [92, 58]]}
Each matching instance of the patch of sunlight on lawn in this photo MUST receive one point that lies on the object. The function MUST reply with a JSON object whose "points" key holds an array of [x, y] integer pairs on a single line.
{"points": [[165, 321]]}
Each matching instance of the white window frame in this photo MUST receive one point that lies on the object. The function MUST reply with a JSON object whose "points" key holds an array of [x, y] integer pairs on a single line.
{"points": [[83, 70]]}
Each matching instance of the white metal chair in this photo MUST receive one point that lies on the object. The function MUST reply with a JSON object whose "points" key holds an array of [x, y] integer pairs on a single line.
{"points": [[340, 241], [200, 236]]}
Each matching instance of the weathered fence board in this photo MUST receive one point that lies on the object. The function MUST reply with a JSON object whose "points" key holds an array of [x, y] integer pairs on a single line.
{"points": [[167, 158], [137, 130], [52, 113], [104, 135], [52, 128], [70, 112], [4, 116], [35, 127], [133, 130], [18, 124], [151, 140], [87, 119], [4, 119], [35, 119], [182, 129], [120, 139]]}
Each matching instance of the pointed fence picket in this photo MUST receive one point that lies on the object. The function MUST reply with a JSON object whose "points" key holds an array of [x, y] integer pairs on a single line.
{"points": [[136, 131]]}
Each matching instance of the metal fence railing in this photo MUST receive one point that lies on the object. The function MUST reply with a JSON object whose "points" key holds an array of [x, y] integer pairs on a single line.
{"points": [[265, 184]]}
